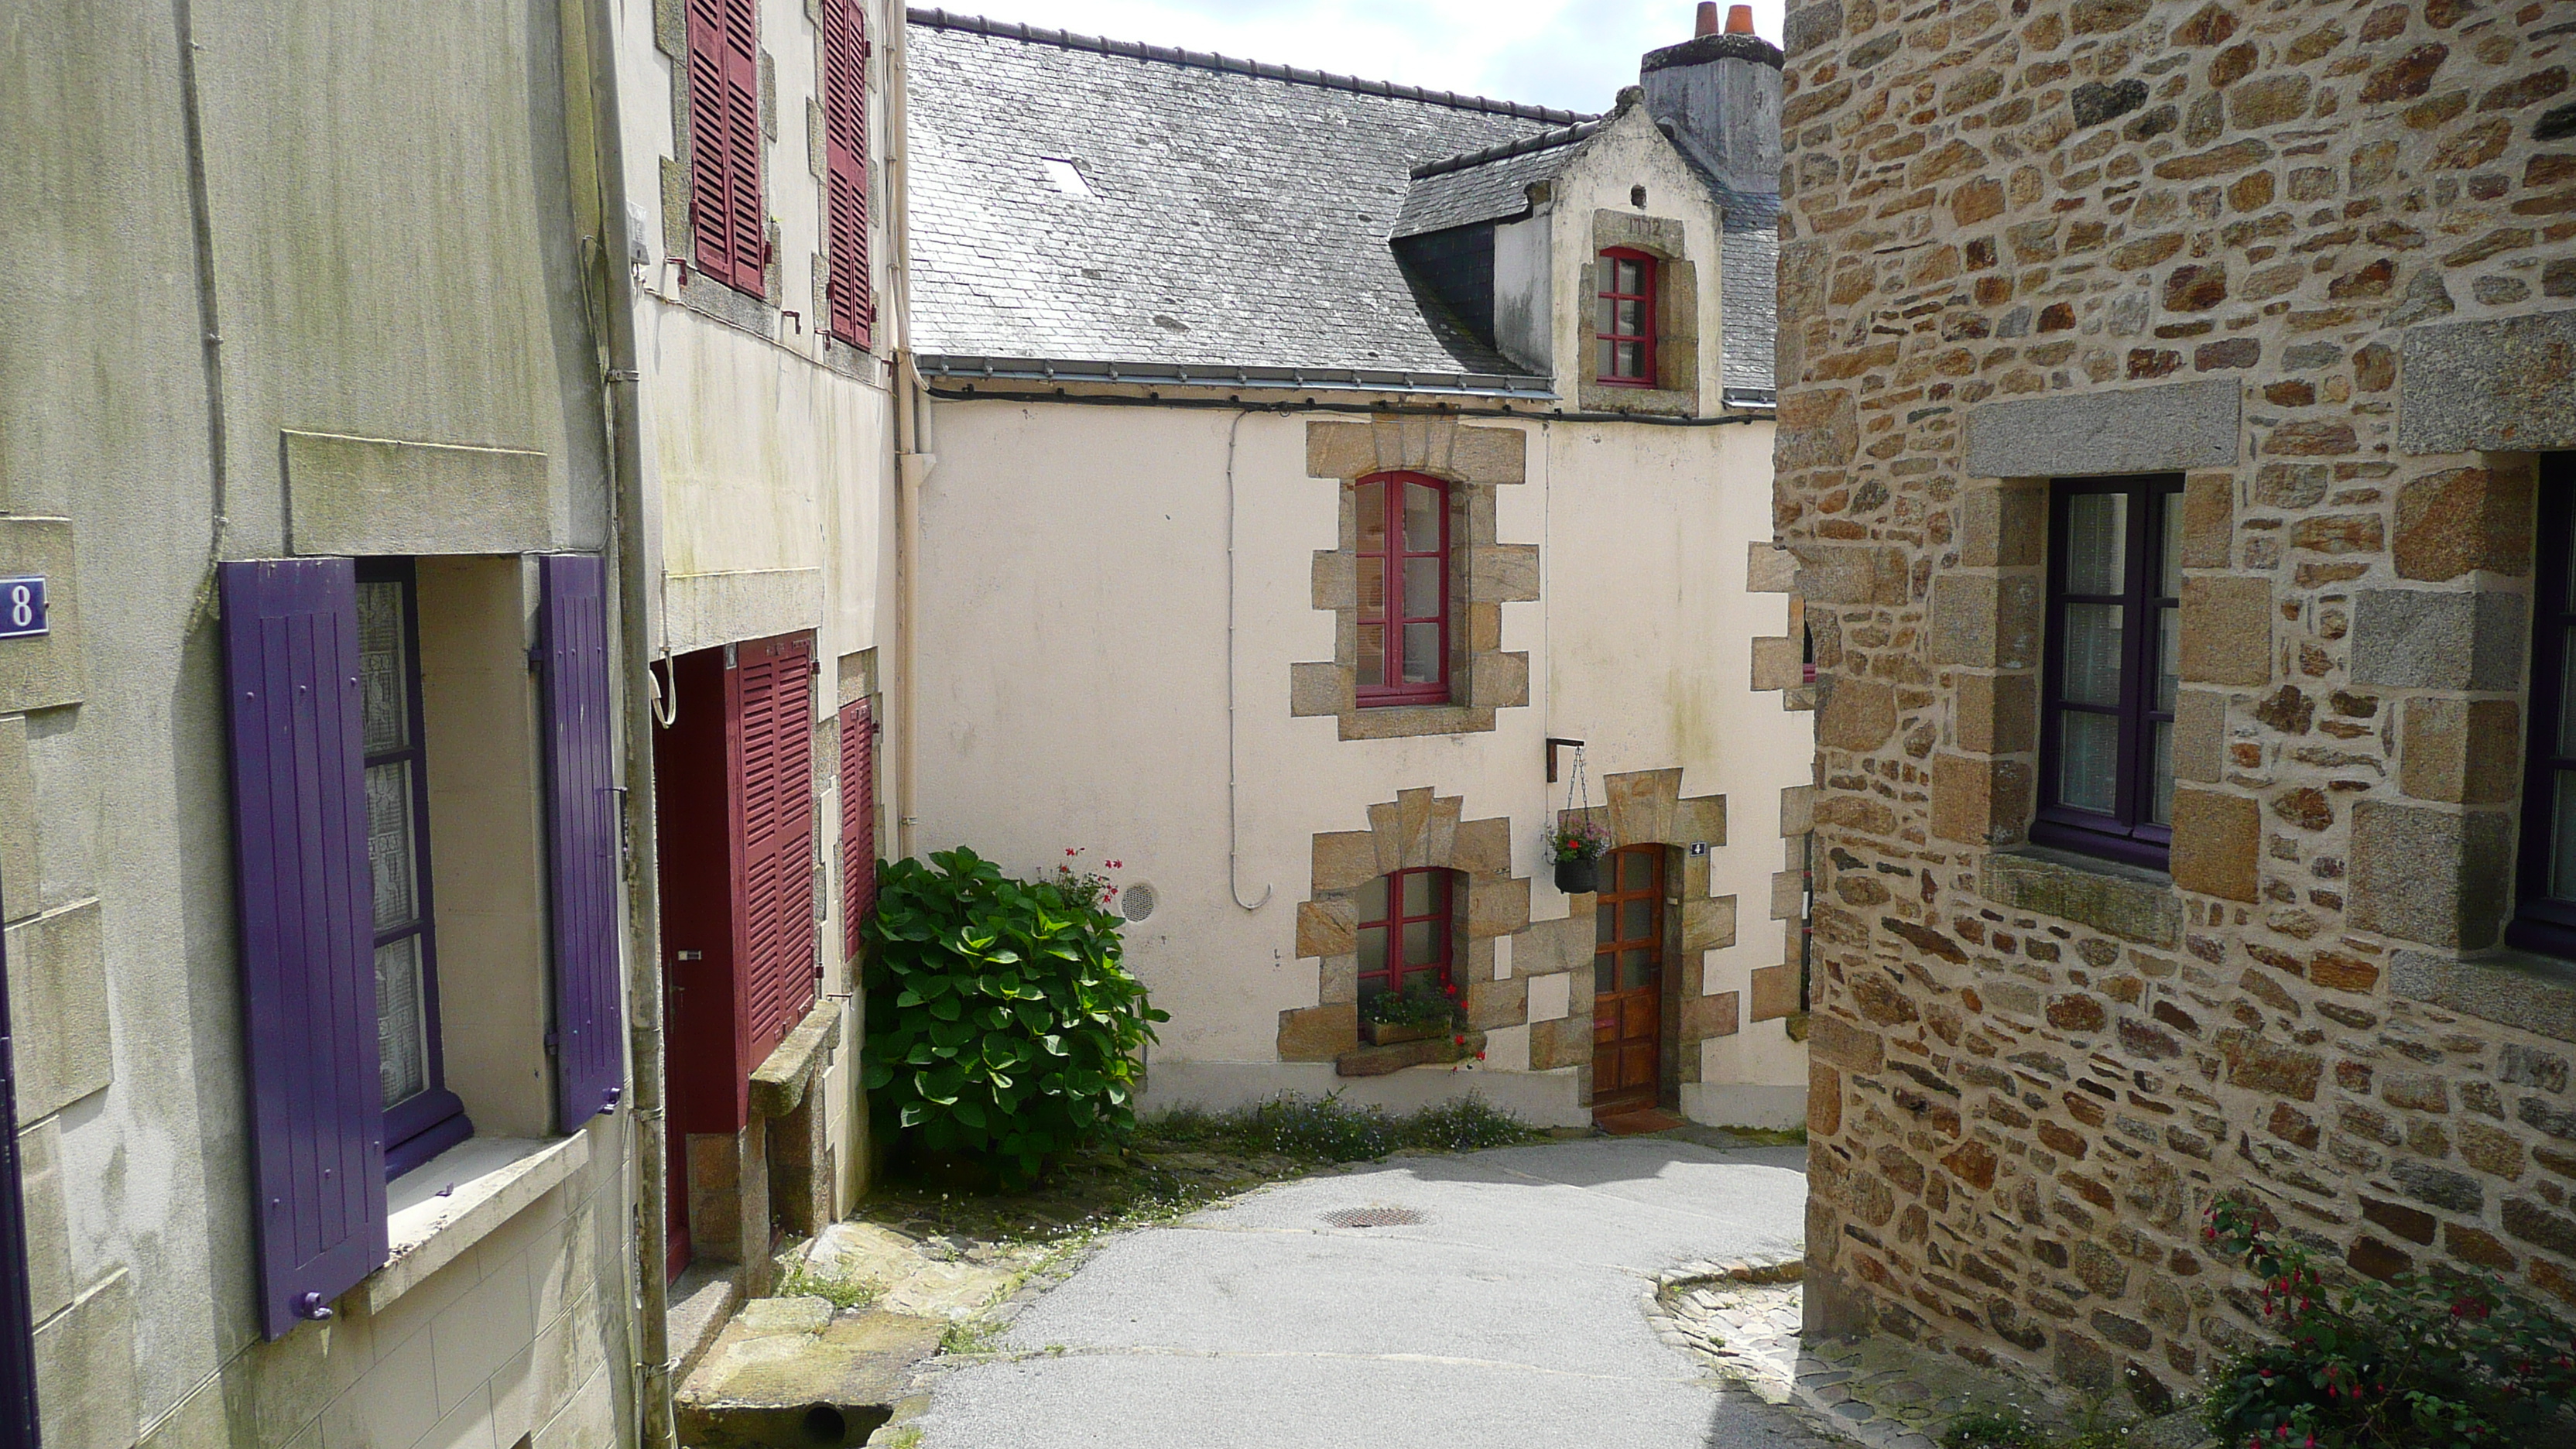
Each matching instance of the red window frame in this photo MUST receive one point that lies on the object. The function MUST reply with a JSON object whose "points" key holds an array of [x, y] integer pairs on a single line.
{"points": [[1606, 330], [1384, 921], [1394, 626]]}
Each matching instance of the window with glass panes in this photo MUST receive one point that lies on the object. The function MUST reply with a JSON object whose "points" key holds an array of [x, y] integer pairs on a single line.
{"points": [[1624, 328], [1403, 548], [1404, 933], [2106, 729], [2544, 917], [421, 1117]]}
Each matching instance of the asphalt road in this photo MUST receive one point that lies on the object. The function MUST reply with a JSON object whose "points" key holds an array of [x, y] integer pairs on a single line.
{"points": [[1511, 1313]]}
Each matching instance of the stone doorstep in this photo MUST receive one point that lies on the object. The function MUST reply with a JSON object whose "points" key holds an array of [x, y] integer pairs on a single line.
{"points": [[700, 1304], [782, 1359]]}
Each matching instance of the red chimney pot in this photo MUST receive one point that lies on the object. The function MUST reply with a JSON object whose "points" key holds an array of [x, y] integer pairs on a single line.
{"points": [[1707, 18], [1739, 19]]}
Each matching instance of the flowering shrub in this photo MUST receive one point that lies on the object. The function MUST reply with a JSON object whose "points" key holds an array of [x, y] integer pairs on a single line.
{"points": [[2447, 1361], [1582, 840], [1412, 1008], [1001, 1024], [1081, 883]]}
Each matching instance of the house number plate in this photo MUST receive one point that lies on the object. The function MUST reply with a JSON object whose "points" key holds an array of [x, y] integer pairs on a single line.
{"points": [[22, 608]]}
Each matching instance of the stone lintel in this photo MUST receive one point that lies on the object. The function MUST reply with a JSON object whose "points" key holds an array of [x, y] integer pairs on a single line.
{"points": [[778, 1084], [2168, 429], [2507, 385], [2127, 901], [2536, 994]]}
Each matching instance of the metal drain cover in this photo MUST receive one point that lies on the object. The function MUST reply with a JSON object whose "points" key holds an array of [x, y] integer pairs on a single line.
{"points": [[1373, 1217]]}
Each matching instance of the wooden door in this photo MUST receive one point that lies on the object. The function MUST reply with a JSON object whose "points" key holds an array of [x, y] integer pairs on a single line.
{"points": [[1628, 979]]}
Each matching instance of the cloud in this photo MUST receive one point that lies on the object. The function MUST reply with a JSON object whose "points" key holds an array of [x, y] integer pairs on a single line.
{"points": [[1570, 53]]}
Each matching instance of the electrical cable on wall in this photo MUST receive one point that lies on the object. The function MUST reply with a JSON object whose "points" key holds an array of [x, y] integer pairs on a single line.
{"points": [[1233, 829]]}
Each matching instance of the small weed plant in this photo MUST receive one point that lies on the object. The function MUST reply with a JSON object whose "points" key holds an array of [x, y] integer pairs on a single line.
{"points": [[1002, 1023], [1413, 1008], [1329, 1130], [801, 1280], [2420, 1361]]}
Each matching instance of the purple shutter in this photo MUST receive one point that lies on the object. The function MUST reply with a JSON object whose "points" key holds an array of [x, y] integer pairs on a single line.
{"points": [[581, 839], [306, 904]]}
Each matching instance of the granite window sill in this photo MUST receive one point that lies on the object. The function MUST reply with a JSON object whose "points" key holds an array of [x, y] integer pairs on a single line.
{"points": [[2127, 901], [2513, 988], [439, 1210]]}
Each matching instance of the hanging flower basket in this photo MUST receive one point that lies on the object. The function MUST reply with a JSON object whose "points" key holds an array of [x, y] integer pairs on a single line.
{"points": [[1577, 850], [1581, 874]]}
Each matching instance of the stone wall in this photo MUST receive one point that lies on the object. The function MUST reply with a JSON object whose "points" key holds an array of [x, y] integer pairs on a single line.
{"points": [[2318, 259]]}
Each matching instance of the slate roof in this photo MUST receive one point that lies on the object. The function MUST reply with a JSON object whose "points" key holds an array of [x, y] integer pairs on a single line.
{"points": [[1238, 221], [1239, 213]]}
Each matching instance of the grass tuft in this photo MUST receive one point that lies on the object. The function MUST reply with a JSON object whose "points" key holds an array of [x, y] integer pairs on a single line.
{"points": [[1329, 1130]]}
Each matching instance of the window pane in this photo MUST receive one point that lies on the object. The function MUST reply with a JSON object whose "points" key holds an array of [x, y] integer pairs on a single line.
{"points": [[1421, 945], [1422, 588], [1605, 974], [2092, 658], [1608, 366], [391, 844], [1421, 518], [1372, 950], [1606, 320], [2567, 699], [402, 1021], [1631, 319], [2160, 809], [2088, 761], [1639, 923], [2170, 505], [1629, 359], [2562, 845], [1422, 654], [1636, 970], [1372, 517], [2097, 542], [1370, 900], [1373, 654], [1631, 274], [1372, 588], [384, 670], [1417, 893], [2169, 657], [1605, 924], [1636, 870]]}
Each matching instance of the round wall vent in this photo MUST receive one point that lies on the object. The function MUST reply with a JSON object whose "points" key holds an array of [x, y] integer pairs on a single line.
{"points": [[1136, 902]]}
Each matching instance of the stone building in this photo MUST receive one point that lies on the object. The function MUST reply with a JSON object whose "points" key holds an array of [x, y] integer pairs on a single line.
{"points": [[1207, 344], [2167, 401]]}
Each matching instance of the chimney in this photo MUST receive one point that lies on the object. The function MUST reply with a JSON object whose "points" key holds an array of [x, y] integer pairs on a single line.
{"points": [[1718, 94]]}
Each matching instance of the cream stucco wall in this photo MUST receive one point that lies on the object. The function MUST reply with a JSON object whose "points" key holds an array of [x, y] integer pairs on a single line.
{"points": [[1074, 616]]}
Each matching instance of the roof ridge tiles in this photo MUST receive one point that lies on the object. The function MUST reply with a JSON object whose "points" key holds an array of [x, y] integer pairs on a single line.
{"points": [[940, 19], [1543, 141]]}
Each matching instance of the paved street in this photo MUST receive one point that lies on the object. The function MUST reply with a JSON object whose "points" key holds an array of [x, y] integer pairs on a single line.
{"points": [[1511, 1313]]}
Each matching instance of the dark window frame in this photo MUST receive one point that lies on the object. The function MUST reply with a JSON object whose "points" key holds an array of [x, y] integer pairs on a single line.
{"points": [[431, 1120], [1394, 613], [1441, 914], [2128, 833], [1606, 340], [2541, 923]]}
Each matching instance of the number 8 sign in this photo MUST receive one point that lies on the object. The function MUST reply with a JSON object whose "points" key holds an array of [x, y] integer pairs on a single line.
{"points": [[22, 608]]}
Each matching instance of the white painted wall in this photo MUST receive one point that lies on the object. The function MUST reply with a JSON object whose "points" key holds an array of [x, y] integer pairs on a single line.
{"points": [[1073, 617]]}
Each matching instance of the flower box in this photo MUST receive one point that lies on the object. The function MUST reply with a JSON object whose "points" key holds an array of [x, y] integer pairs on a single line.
{"points": [[1388, 1033]]}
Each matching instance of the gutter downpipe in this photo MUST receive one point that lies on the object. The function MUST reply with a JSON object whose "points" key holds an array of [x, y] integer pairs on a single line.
{"points": [[631, 557], [913, 462]]}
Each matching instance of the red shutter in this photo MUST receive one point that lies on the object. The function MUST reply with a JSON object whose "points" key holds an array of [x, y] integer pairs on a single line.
{"points": [[742, 133], [770, 691], [858, 820], [845, 148], [724, 142]]}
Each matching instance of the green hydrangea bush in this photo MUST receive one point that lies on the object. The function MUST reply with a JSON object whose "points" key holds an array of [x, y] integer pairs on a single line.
{"points": [[1002, 1025]]}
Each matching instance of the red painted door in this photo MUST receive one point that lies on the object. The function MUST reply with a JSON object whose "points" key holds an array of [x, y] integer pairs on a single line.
{"points": [[1628, 979]]}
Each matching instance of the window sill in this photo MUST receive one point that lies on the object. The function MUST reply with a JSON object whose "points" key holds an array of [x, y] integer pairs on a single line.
{"points": [[2511, 988], [2131, 902], [442, 1208], [1404, 721], [1606, 397], [1377, 1061]]}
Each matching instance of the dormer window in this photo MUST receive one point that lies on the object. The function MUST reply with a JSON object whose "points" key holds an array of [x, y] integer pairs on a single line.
{"points": [[1625, 329]]}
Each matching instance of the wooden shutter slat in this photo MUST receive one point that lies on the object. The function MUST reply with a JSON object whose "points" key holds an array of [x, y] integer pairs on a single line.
{"points": [[304, 902], [581, 838], [858, 821]]}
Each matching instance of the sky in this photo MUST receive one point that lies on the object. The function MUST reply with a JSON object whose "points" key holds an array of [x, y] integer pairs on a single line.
{"points": [[1570, 53]]}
